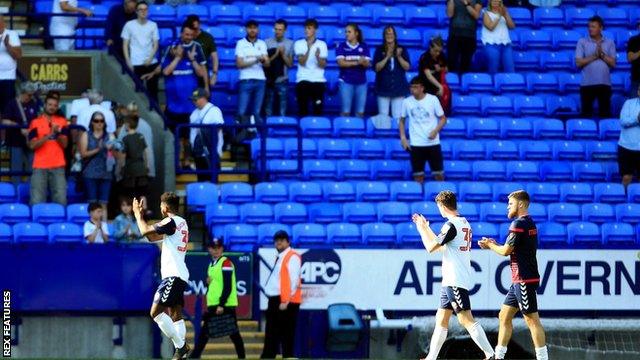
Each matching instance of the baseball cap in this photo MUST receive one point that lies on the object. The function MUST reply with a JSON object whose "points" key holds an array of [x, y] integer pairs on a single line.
{"points": [[198, 93], [215, 242]]}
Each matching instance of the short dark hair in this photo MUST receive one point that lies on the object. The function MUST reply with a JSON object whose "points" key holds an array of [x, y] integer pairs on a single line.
{"points": [[54, 94], [597, 19], [311, 22], [251, 23], [447, 199], [51, 97], [132, 121], [93, 206], [172, 200], [280, 234], [282, 22], [126, 199], [191, 18], [417, 80], [141, 2], [520, 195]]}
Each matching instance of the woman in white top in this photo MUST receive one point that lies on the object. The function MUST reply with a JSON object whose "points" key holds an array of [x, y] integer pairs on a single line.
{"points": [[496, 23]]}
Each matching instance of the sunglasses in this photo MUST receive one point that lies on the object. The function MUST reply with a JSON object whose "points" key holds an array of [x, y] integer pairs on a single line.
{"points": [[98, 121]]}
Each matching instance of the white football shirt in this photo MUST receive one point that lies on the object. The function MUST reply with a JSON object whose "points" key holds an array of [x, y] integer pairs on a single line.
{"points": [[455, 238], [174, 247]]}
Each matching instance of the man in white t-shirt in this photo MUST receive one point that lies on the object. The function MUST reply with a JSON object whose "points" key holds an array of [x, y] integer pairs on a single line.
{"points": [[96, 230], [426, 119], [65, 25], [96, 105], [312, 59], [251, 57], [140, 44], [10, 52], [200, 138]]}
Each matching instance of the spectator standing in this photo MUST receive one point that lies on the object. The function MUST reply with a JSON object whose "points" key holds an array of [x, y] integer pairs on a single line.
{"points": [[280, 51], [251, 57], [461, 44], [205, 113], [95, 229], [96, 104], [209, 47], [10, 52], [353, 58], [629, 143], [496, 23], [48, 137], [312, 59], [97, 161], [65, 25], [433, 67], [143, 128], [283, 289], [596, 56], [391, 64], [20, 112], [135, 179], [633, 57], [124, 225], [118, 16], [426, 119], [140, 44]]}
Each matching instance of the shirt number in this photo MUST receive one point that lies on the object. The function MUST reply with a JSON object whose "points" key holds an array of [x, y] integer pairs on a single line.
{"points": [[185, 240], [467, 238]]}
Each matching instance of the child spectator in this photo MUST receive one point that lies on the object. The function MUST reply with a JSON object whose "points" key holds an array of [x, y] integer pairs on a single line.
{"points": [[95, 229], [124, 225], [136, 160]]}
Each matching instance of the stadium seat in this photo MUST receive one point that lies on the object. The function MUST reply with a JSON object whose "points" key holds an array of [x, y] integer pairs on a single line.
{"points": [[7, 192], [457, 170], [319, 169], [515, 128], [469, 210], [325, 213], [494, 212], [555, 61], [283, 168], [529, 106], [48, 213], [475, 191], [266, 232], [428, 209], [602, 150], [501, 190], [368, 149], [162, 13], [535, 39], [589, 171], [241, 236], [582, 129], [393, 212], [523, 171], [564, 212], [338, 191], [372, 191], [609, 193], [221, 214], [484, 229], [569, 82], [576, 16], [344, 234], [348, 127], [476, 82], [552, 232], [236, 193], [309, 234], [561, 106], [420, 16], [285, 130], [502, 150], [576, 192], [356, 14], [380, 132], [273, 148], [305, 192], [544, 17], [353, 169], [293, 14], [468, 150], [271, 192], [65, 232], [526, 60], [482, 128], [619, 83], [225, 13], [538, 211], [521, 16], [77, 213], [628, 213], [409, 37], [535, 150], [256, 213], [334, 149], [388, 170], [466, 105], [394, 150], [406, 191], [290, 212], [29, 232], [598, 213], [556, 171], [568, 150], [541, 82], [260, 13], [613, 173], [407, 235], [447, 152], [453, 80], [184, 10], [618, 233], [432, 188], [609, 129], [487, 170], [584, 233], [309, 148], [565, 39], [14, 213], [6, 233], [543, 192], [382, 234], [496, 105], [316, 126], [548, 129]]}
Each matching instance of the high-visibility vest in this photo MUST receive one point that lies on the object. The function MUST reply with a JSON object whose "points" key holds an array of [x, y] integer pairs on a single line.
{"points": [[216, 284], [285, 281]]}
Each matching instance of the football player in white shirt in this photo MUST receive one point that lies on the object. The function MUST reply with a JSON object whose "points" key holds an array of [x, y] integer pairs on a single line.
{"points": [[174, 233], [455, 243]]}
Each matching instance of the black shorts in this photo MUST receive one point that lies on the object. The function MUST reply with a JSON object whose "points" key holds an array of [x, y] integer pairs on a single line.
{"points": [[523, 296], [628, 161], [170, 292], [422, 154], [455, 298]]}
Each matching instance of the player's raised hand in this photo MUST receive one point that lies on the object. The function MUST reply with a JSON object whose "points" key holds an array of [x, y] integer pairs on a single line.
{"points": [[137, 207], [421, 223]]}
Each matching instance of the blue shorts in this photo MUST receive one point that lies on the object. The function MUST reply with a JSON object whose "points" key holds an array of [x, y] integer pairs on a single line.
{"points": [[455, 298], [523, 296]]}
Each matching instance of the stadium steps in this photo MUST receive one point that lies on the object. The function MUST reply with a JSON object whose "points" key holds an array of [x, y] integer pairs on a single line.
{"points": [[222, 348], [226, 164]]}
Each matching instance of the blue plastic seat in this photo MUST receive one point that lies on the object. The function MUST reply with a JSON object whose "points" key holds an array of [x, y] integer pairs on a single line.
{"points": [[6, 233], [432, 188], [356, 14], [565, 39], [283, 131], [523, 171], [488, 170], [325, 213], [338, 191], [256, 213], [496, 105], [48, 213], [290, 212], [334, 149], [221, 214], [609, 129], [494, 212], [509, 82], [582, 129], [469, 210], [7, 192], [348, 127], [502, 150], [236, 192], [319, 169], [561, 106], [241, 236], [309, 234], [457, 170], [293, 14], [546, 16], [316, 126], [548, 129], [521, 16], [271, 192], [569, 82], [602, 150], [482, 128], [466, 105], [353, 169], [266, 232], [468, 150], [378, 234], [551, 232], [544, 192], [475, 191], [628, 213], [259, 13], [305, 192], [476, 82], [568, 150], [542, 83], [589, 171], [273, 148], [65, 232], [184, 10], [556, 171], [283, 169], [394, 150], [420, 16], [393, 212], [535, 39], [410, 37], [162, 13], [526, 61], [529, 105], [455, 127], [359, 212], [77, 213], [484, 229], [538, 211], [344, 234], [225, 13], [390, 132], [619, 83], [407, 235], [564, 212], [309, 148], [598, 213], [576, 17], [613, 174], [618, 233], [554, 61], [584, 233], [372, 191], [29, 232], [516, 128], [14, 213], [388, 169], [501, 190], [388, 15], [428, 209], [535, 150], [368, 149], [576, 192], [406, 191]]}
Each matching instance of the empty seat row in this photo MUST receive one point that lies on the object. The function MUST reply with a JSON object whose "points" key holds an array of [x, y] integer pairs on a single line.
{"points": [[45, 213], [24, 232]]}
